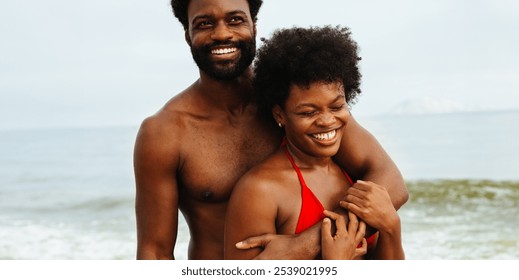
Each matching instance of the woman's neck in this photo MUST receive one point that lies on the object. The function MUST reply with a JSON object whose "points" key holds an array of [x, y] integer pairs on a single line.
{"points": [[304, 160]]}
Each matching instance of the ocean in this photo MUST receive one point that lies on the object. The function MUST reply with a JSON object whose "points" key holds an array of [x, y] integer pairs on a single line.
{"points": [[69, 193]]}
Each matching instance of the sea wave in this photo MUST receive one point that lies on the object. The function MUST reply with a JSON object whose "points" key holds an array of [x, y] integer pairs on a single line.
{"points": [[443, 219], [434, 191], [461, 219]]}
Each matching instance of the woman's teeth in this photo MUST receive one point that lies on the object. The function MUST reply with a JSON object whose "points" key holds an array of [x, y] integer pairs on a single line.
{"points": [[325, 136]]}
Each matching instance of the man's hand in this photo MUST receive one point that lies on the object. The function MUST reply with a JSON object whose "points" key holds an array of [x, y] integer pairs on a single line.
{"points": [[342, 245], [371, 203], [275, 246]]}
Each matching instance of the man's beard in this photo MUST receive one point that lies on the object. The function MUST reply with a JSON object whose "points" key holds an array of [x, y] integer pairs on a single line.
{"points": [[225, 70]]}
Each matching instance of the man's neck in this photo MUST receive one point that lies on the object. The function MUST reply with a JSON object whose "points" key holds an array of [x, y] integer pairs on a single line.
{"points": [[232, 95]]}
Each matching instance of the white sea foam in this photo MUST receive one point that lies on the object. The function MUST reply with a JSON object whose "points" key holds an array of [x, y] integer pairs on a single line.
{"points": [[62, 241]]}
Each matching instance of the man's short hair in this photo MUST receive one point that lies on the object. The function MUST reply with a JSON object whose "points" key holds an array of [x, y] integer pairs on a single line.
{"points": [[180, 10]]}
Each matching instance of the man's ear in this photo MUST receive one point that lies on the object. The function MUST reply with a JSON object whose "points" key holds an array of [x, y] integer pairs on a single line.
{"points": [[187, 38]]}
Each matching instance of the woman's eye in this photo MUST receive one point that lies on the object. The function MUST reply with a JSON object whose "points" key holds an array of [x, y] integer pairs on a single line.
{"points": [[308, 113], [338, 107]]}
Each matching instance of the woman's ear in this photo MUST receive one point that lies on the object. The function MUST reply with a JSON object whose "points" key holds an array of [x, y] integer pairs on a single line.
{"points": [[279, 115]]}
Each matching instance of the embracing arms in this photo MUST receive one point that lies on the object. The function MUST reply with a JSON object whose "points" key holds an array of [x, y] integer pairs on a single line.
{"points": [[362, 157], [372, 204], [252, 210]]}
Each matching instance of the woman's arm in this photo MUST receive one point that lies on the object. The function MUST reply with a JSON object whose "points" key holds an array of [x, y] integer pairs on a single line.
{"points": [[251, 211]]}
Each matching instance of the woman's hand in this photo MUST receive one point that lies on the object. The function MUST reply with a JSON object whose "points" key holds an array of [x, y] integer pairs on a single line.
{"points": [[342, 245]]}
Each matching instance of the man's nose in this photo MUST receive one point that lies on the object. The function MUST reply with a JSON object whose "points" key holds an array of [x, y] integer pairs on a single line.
{"points": [[221, 33]]}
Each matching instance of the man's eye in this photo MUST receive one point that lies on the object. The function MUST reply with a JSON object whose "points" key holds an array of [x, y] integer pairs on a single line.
{"points": [[236, 20], [204, 24]]}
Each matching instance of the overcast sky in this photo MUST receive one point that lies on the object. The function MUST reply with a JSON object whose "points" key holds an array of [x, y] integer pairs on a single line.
{"points": [[70, 63]]}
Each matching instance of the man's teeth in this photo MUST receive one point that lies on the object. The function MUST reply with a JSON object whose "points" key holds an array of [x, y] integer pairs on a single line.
{"points": [[325, 136], [223, 51]]}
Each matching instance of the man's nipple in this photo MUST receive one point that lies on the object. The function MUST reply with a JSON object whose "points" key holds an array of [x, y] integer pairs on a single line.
{"points": [[207, 195]]}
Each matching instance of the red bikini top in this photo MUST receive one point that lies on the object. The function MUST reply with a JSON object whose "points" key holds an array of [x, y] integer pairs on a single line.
{"points": [[311, 208]]}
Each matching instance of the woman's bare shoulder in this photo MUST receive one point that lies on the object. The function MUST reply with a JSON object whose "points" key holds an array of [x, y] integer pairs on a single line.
{"points": [[267, 177]]}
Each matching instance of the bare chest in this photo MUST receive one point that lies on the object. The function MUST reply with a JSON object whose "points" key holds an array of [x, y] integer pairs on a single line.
{"points": [[213, 159]]}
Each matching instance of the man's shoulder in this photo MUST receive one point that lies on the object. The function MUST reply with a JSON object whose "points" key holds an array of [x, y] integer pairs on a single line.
{"points": [[161, 124], [162, 129], [154, 138], [170, 116]]}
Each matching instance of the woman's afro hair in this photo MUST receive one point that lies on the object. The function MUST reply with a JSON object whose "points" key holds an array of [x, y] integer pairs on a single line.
{"points": [[302, 56]]}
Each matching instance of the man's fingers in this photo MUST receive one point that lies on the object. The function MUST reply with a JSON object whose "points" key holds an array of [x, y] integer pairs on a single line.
{"points": [[355, 200], [362, 185], [356, 192], [255, 242], [352, 208]]}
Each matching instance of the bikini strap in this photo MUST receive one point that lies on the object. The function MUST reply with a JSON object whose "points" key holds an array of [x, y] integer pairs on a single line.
{"points": [[299, 175], [347, 176]]}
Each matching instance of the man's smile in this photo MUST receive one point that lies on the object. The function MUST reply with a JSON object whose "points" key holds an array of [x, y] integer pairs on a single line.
{"points": [[222, 51]]}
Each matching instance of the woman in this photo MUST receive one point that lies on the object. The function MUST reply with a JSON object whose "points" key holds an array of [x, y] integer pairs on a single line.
{"points": [[305, 78]]}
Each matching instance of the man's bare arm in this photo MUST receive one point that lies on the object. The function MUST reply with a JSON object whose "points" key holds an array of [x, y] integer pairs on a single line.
{"points": [[303, 246], [372, 203], [389, 243], [156, 203], [362, 156]]}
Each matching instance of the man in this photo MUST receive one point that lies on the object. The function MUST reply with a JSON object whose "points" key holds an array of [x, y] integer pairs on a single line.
{"points": [[190, 154]]}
